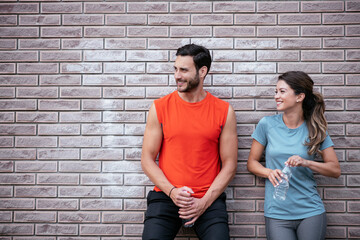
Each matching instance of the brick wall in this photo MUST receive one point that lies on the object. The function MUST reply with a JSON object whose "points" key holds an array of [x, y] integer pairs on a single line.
{"points": [[77, 79]]}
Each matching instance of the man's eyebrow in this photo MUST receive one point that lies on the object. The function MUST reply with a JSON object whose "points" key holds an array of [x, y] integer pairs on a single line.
{"points": [[181, 68]]}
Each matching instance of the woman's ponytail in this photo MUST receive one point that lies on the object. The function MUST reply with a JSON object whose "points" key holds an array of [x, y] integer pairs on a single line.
{"points": [[316, 122]]}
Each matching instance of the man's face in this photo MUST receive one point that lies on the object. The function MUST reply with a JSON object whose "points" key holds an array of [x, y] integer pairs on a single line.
{"points": [[186, 76]]}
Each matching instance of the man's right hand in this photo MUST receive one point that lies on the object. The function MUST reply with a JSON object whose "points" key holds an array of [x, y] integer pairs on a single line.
{"points": [[182, 197]]}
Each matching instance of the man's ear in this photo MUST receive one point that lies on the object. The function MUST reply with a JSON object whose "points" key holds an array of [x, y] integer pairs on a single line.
{"points": [[203, 71]]}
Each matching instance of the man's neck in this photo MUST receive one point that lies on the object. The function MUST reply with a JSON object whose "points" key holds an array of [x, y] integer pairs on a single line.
{"points": [[193, 96]]}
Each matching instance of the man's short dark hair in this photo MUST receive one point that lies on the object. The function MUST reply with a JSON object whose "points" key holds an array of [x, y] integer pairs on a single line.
{"points": [[200, 54]]}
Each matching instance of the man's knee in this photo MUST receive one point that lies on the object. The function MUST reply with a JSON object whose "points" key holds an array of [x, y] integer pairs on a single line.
{"points": [[213, 224], [161, 217], [155, 228], [216, 231]]}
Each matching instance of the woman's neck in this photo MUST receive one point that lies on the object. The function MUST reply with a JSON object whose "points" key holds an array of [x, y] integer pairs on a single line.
{"points": [[293, 119]]}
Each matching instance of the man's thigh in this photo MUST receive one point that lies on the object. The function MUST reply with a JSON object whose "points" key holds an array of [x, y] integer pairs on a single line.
{"points": [[213, 224], [161, 218]]}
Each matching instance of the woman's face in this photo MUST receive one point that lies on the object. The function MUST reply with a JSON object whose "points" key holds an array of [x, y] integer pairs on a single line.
{"points": [[285, 97]]}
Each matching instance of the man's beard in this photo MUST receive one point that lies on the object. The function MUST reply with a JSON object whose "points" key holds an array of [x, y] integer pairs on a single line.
{"points": [[191, 84]]}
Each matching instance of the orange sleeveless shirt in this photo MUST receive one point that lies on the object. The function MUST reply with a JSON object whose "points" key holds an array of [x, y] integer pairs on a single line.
{"points": [[189, 154]]}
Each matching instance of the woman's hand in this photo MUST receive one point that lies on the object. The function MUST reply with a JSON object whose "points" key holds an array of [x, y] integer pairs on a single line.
{"points": [[297, 161], [275, 176]]}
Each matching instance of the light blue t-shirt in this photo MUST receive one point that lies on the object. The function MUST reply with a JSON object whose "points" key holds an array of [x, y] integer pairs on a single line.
{"points": [[281, 142]]}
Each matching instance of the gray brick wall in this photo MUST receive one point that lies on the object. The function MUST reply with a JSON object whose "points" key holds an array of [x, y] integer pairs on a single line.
{"points": [[77, 78]]}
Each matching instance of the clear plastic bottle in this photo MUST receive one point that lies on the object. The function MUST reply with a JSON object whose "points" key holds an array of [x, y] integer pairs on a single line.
{"points": [[185, 221], [282, 188]]}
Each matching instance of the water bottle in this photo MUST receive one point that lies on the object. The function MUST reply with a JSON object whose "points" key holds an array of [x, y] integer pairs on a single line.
{"points": [[185, 221], [282, 188]]}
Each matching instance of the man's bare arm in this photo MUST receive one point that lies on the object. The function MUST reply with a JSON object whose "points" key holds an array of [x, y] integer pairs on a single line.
{"points": [[151, 145]]}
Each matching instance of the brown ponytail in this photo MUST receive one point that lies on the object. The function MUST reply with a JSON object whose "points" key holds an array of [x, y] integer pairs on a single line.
{"points": [[316, 124]]}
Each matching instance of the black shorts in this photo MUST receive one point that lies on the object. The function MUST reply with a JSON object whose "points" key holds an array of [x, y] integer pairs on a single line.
{"points": [[162, 219]]}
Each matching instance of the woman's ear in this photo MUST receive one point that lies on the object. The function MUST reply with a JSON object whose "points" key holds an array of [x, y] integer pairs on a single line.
{"points": [[300, 97]]}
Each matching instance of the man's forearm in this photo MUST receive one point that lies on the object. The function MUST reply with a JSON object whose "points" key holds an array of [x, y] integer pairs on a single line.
{"points": [[156, 175], [219, 184]]}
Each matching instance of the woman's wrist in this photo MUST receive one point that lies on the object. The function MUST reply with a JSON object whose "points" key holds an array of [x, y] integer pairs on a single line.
{"points": [[306, 163], [268, 172]]}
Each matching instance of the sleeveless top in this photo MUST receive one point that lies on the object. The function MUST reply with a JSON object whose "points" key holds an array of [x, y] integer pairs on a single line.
{"points": [[189, 154]]}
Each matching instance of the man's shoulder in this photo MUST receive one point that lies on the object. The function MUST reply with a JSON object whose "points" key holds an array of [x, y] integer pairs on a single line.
{"points": [[165, 101], [166, 97], [217, 100]]}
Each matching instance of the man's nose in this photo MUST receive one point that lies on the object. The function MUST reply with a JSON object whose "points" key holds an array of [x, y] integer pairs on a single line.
{"points": [[177, 75]]}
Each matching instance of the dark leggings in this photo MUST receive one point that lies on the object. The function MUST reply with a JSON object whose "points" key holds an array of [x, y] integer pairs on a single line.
{"points": [[162, 220], [312, 228]]}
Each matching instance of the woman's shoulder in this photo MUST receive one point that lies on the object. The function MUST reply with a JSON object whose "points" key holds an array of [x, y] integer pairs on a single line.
{"points": [[271, 120]]}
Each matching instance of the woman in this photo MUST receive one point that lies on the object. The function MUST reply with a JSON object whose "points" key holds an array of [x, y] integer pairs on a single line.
{"points": [[294, 138]]}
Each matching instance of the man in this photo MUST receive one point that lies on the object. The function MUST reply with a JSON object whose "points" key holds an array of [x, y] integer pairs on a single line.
{"points": [[195, 136]]}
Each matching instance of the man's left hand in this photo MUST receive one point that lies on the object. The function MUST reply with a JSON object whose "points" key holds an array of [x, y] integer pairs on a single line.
{"points": [[194, 211]]}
